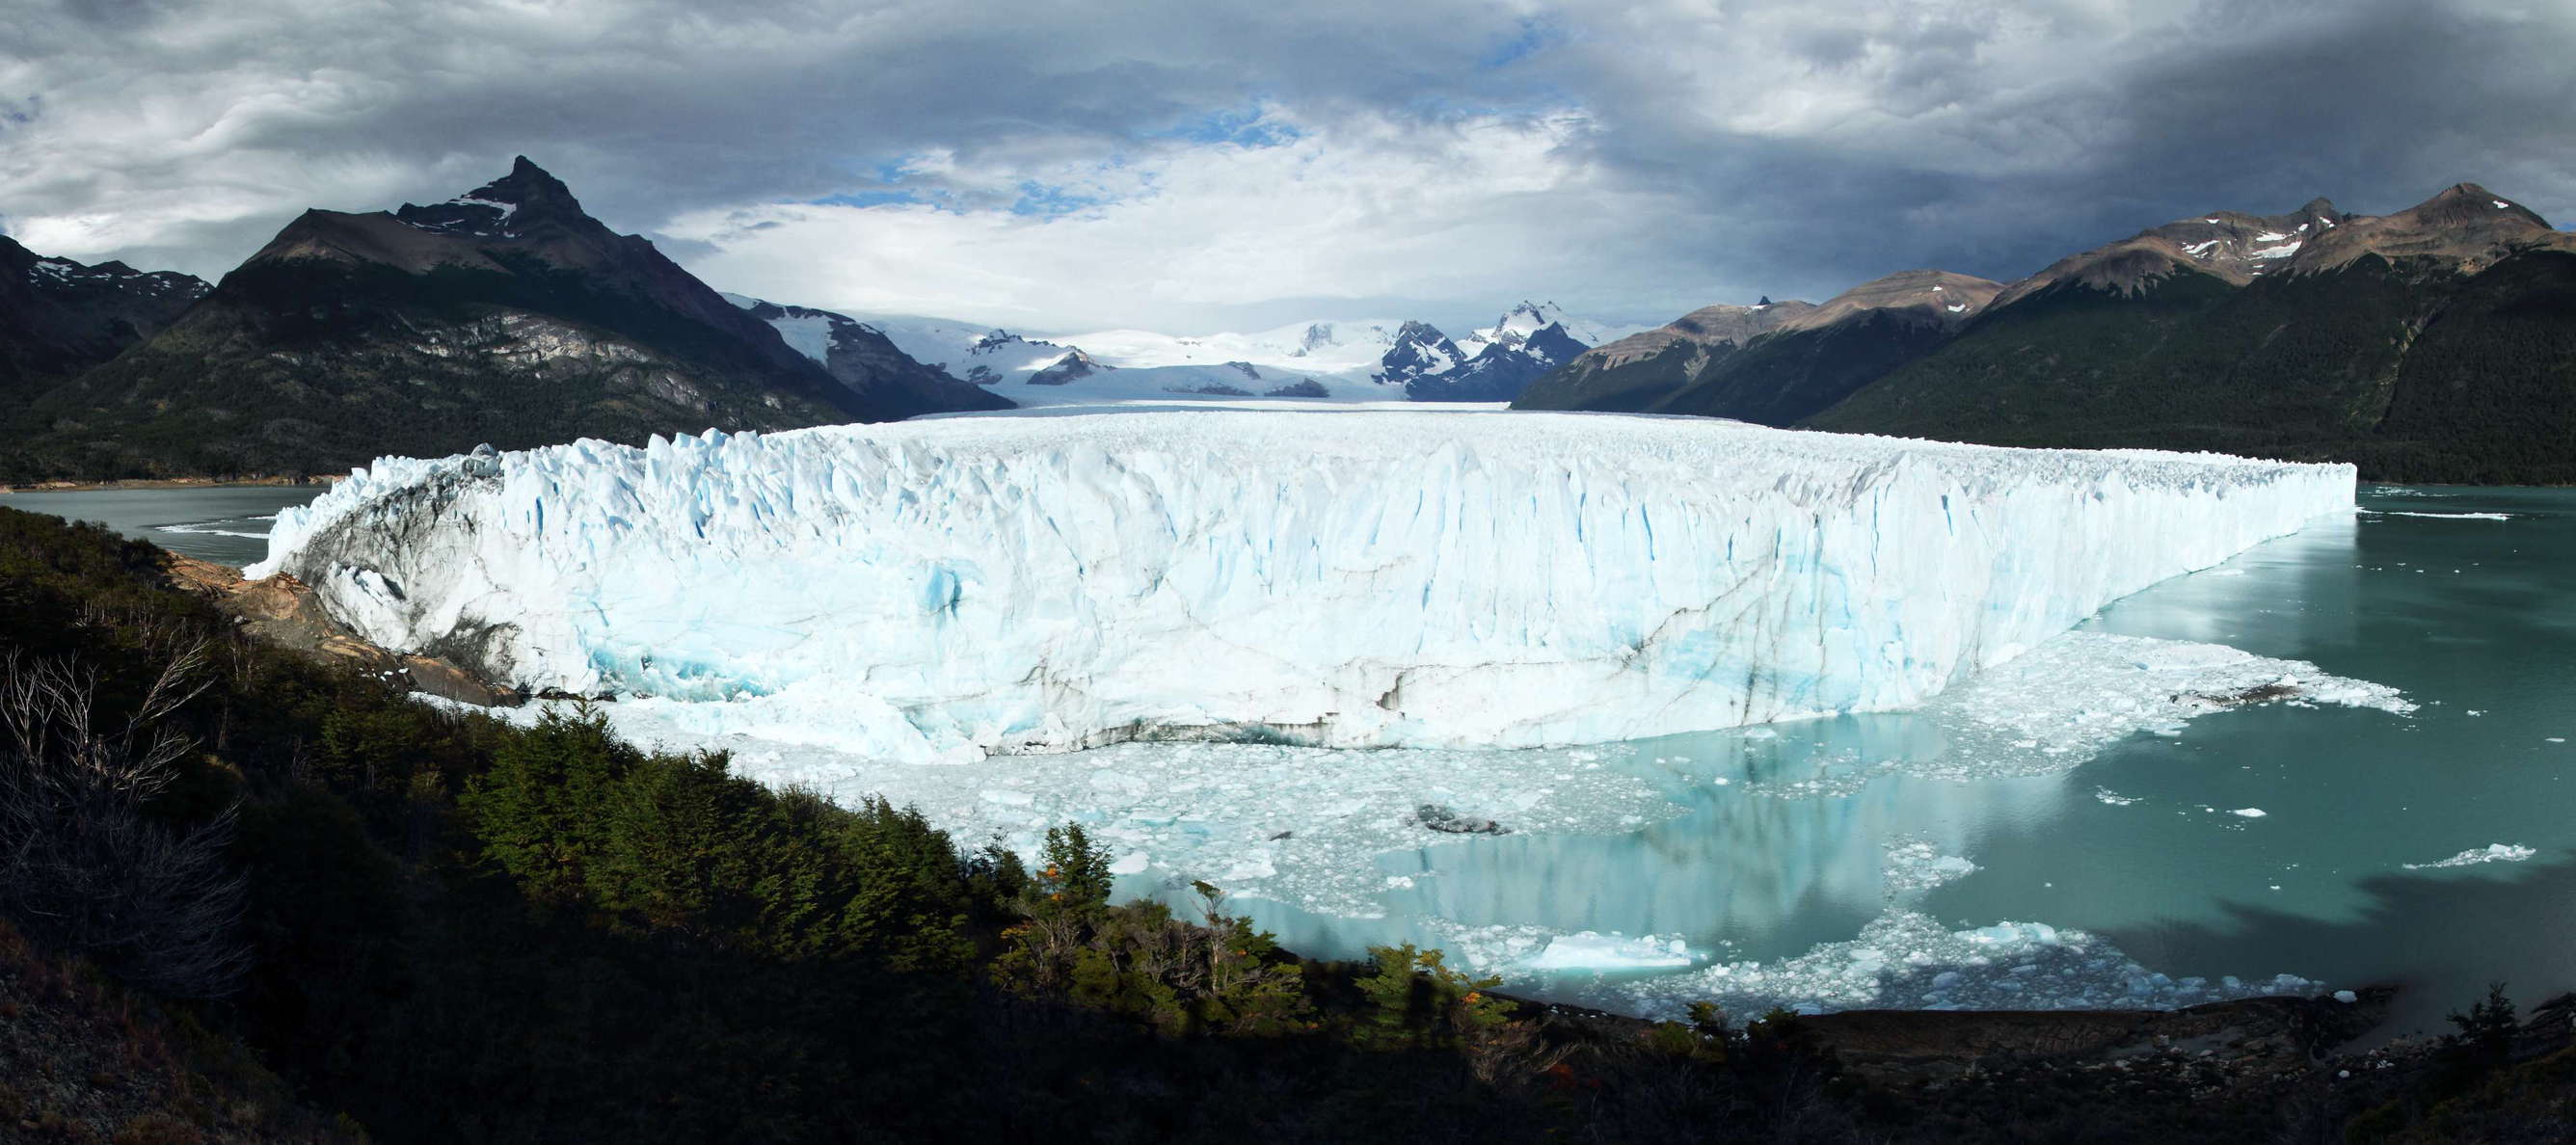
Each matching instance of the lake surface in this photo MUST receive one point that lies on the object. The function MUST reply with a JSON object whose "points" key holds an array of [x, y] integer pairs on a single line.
{"points": [[226, 524], [2144, 845], [1774, 849]]}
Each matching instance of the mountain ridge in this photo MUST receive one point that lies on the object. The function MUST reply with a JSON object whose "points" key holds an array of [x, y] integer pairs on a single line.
{"points": [[506, 316], [2435, 343]]}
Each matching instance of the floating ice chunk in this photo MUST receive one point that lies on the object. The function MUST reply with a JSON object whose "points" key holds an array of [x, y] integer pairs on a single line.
{"points": [[1131, 863], [2346, 996], [1300, 826], [2113, 798], [2010, 965], [2248, 812], [2060, 703], [2450, 516], [1912, 865], [2491, 853], [1587, 950]]}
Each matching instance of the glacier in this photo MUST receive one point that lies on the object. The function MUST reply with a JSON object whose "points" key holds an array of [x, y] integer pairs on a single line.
{"points": [[943, 590]]}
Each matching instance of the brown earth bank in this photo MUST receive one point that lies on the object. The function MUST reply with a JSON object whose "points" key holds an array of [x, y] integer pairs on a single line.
{"points": [[283, 611]]}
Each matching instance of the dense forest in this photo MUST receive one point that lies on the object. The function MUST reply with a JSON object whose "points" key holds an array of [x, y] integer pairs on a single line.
{"points": [[245, 896], [2411, 371]]}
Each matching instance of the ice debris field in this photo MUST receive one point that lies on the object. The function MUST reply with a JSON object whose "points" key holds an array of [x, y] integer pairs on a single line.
{"points": [[840, 606]]}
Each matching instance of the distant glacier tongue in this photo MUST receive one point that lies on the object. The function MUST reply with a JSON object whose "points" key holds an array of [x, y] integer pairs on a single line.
{"points": [[939, 590]]}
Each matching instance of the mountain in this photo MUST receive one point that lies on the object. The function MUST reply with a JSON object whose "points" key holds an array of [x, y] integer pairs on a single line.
{"points": [[862, 358], [2437, 343], [505, 316], [1495, 363], [1633, 373], [1813, 356], [59, 317], [2434, 344], [983, 355]]}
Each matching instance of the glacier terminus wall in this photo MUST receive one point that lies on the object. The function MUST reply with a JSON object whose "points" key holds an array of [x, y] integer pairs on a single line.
{"points": [[939, 590]]}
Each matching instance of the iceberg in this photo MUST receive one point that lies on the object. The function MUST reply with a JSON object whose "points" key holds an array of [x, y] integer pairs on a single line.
{"points": [[943, 590]]}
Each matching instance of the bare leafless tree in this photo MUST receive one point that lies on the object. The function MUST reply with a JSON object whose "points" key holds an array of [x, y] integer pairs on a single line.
{"points": [[84, 865]]}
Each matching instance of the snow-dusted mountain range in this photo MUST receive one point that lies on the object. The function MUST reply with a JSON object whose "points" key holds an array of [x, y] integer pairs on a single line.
{"points": [[1366, 359]]}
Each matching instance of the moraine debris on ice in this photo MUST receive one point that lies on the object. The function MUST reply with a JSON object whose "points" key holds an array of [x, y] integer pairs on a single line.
{"points": [[942, 591]]}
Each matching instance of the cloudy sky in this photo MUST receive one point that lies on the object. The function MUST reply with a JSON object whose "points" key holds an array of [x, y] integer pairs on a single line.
{"points": [[1204, 164]]}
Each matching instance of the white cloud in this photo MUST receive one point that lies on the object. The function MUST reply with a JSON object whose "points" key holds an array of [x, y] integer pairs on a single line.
{"points": [[1191, 235], [1632, 160]]}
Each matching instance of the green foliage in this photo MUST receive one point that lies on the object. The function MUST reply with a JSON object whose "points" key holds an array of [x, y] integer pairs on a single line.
{"points": [[1139, 961], [539, 808], [1074, 872], [2485, 1031], [1414, 998]]}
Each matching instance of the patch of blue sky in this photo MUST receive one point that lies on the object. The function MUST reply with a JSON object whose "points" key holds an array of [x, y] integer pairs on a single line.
{"points": [[1053, 200], [1529, 38], [876, 198], [1247, 126]]}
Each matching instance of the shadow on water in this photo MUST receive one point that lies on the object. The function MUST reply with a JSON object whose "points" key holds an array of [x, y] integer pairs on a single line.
{"points": [[2439, 935]]}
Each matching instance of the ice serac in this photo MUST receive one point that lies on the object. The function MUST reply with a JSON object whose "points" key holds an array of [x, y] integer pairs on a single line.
{"points": [[938, 590]]}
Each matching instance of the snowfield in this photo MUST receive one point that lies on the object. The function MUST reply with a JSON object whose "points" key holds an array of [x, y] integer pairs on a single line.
{"points": [[938, 591]]}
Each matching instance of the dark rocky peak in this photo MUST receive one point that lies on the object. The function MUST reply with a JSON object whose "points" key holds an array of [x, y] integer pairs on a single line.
{"points": [[2467, 204], [515, 204], [1552, 345], [2464, 229], [1072, 367], [1937, 297]]}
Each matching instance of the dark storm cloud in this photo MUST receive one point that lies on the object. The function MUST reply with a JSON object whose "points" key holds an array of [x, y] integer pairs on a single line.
{"points": [[1634, 160]]}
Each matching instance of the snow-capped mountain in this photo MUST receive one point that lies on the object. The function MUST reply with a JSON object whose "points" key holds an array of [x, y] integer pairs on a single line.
{"points": [[861, 357], [1529, 318], [969, 352], [1349, 349], [1365, 359], [59, 317], [1493, 364], [1420, 351]]}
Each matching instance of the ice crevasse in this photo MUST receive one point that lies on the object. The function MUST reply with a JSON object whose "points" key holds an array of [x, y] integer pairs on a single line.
{"points": [[939, 590]]}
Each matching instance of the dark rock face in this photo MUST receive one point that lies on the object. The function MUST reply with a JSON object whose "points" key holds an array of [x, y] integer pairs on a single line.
{"points": [[1073, 367], [506, 315], [59, 317], [1448, 822], [1420, 350], [1500, 371], [1301, 388]]}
